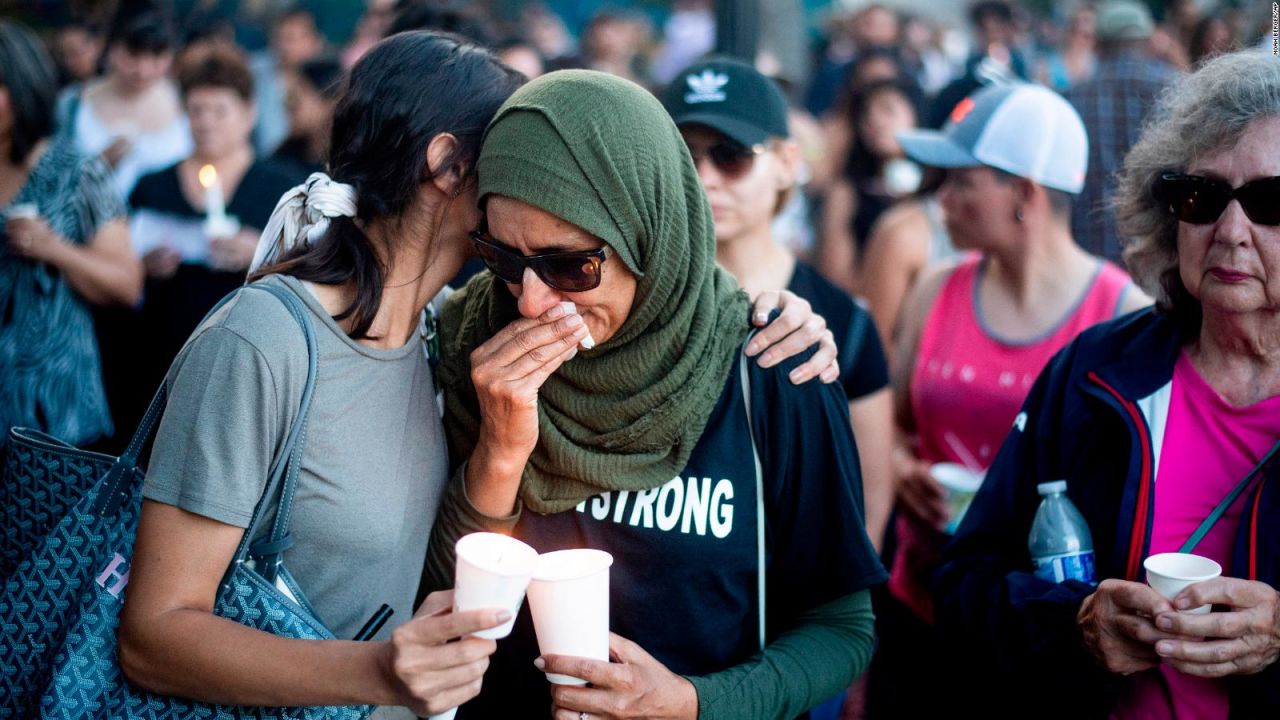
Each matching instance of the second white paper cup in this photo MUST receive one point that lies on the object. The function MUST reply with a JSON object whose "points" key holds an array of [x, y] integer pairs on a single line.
{"points": [[493, 572], [26, 211], [569, 601], [962, 485], [1171, 573]]}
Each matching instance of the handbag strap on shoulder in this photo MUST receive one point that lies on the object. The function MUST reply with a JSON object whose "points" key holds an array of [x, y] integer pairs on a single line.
{"points": [[125, 469], [283, 479]]}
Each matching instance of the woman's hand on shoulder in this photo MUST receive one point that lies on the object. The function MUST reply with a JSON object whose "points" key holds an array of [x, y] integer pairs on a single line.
{"points": [[633, 685], [1242, 639], [429, 670], [794, 331]]}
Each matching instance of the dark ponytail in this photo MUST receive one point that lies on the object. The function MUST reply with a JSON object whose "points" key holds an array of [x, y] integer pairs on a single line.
{"points": [[408, 89]]}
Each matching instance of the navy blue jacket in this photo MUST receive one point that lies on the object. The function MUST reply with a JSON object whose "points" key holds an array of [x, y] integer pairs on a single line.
{"points": [[1095, 417]]}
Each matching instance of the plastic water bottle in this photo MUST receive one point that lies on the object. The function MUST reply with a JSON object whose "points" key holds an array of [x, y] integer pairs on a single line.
{"points": [[1060, 543]]}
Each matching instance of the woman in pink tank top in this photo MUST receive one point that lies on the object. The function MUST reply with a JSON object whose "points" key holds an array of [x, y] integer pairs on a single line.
{"points": [[967, 381], [975, 334]]}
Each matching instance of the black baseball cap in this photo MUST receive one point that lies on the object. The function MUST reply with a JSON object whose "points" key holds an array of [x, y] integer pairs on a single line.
{"points": [[730, 96]]}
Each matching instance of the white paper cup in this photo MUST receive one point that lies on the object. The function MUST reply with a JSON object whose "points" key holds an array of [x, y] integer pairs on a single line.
{"points": [[569, 601], [23, 211], [493, 571], [449, 714], [961, 484], [1171, 573]]}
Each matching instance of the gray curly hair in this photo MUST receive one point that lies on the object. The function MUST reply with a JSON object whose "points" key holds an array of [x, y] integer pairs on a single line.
{"points": [[1199, 113]]}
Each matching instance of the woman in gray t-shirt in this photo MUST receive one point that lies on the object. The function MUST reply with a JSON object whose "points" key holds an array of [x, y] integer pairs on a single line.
{"points": [[378, 249]]}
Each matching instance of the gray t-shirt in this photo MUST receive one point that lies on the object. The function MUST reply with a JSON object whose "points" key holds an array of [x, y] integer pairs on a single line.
{"points": [[373, 467]]}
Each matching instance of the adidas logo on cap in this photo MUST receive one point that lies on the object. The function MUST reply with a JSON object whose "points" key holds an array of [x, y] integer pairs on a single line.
{"points": [[707, 87]]}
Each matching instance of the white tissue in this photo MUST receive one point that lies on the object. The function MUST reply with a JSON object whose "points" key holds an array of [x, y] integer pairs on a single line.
{"points": [[587, 342]]}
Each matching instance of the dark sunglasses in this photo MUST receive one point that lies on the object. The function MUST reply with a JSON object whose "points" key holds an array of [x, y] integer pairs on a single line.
{"points": [[732, 160], [1200, 200], [576, 271]]}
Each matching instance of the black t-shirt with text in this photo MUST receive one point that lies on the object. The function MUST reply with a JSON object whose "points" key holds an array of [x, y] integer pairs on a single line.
{"points": [[684, 579]]}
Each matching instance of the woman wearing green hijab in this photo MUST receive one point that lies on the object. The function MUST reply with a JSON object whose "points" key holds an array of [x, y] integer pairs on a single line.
{"points": [[633, 433]]}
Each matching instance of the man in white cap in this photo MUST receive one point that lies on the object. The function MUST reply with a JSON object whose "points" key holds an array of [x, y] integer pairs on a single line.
{"points": [[1113, 105]]}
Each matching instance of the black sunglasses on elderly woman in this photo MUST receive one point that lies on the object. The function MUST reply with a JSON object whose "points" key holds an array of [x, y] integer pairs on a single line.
{"points": [[1201, 200], [576, 271]]}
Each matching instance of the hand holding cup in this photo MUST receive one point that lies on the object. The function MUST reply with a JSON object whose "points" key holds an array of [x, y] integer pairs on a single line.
{"points": [[961, 485], [569, 601], [1241, 638], [493, 571], [30, 235], [434, 662], [1171, 573]]}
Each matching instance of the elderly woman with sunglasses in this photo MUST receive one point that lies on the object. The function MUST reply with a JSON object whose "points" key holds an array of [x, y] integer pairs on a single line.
{"points": [[1161, 423], [643, 431]]}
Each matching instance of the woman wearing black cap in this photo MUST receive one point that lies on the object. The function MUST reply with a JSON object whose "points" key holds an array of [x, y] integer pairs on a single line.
{"points": [[734, 121]]}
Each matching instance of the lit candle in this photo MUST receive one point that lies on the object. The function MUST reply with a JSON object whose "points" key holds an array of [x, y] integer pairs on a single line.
{"points": [[215, 206]]}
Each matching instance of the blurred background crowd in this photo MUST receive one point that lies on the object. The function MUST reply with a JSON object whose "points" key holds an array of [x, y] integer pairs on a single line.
{"points": [[162, 89]]}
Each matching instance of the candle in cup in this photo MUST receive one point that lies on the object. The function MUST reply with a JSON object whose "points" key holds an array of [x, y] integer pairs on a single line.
{"points": [[492, 571]]}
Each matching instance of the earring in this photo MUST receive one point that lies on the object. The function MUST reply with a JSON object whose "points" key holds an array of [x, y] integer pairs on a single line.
{"points": [[1017, 215]]}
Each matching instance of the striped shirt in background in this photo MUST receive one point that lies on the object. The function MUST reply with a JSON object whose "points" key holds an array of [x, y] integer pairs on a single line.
{"points": [[50, 372], [1113, 105]]}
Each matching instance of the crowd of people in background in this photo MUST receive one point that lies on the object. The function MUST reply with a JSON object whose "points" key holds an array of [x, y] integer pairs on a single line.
{"points": [[958, 203]]}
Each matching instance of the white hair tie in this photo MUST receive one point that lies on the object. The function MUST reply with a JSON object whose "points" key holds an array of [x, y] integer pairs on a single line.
{"points": [[302, 217]]}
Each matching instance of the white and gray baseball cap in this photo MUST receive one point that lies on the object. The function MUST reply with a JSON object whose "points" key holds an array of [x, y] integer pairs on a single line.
{"points": [[1026, 130]]}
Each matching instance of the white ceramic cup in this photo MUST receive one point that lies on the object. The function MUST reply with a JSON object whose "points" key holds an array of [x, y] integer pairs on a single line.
{"points": [[1171, 573], [569, 601], [493, 571], [961, 484]]}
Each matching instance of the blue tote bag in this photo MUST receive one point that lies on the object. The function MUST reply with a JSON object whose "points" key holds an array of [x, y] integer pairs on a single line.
{"points": [[67, 553]]}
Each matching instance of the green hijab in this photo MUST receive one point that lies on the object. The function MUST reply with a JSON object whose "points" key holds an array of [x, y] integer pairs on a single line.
{"points": [[602, 153]]}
